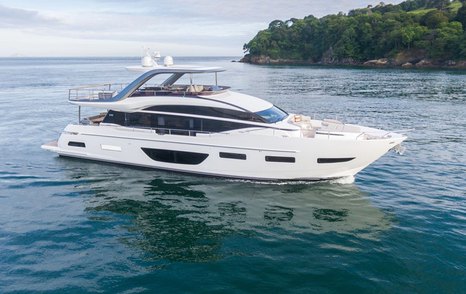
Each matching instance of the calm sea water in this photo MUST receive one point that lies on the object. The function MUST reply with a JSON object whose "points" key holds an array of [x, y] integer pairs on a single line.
{"points": [[75, 226]]}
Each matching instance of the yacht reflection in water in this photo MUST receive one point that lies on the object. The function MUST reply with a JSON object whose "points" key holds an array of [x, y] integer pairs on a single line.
{"points": [[183, 218]]}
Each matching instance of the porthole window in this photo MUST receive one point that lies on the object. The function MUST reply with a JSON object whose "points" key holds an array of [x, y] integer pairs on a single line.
{"points": [[76, 144]]}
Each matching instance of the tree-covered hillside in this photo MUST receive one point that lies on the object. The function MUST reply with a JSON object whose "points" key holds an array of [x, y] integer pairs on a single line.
{"points": [[410, 31]]}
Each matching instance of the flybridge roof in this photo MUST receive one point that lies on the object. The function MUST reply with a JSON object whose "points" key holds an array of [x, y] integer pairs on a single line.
{"points": [[175, 69]]}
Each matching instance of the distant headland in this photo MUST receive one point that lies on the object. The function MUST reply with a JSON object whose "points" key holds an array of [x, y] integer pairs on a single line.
{"points": [[412, 34]]}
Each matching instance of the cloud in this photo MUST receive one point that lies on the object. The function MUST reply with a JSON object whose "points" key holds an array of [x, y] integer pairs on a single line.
{"points": [[145, 27], [217, 26], [21, 18], [244, 10]]}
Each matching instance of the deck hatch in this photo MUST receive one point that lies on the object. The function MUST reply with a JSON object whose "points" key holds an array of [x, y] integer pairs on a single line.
{"points": [[232, 155], [76, 144], [280, 159], [174, 156], [334, 160]]}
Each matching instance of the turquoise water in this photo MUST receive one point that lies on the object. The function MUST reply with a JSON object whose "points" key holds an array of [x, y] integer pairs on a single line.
{"points": [[76, 226]]}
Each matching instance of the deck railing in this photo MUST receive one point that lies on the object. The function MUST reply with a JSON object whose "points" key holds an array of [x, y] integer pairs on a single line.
{"points": [[94, 92], [168, 131]]}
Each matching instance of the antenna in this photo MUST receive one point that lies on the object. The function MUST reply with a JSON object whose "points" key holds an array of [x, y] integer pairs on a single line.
{"points": [[156, 57], [147, 60]]}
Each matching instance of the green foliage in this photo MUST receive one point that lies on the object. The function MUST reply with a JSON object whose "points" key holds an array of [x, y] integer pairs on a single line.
{"points": [[447, 41], [461, 15], [431, 26], [421, 12], [434, 19]]}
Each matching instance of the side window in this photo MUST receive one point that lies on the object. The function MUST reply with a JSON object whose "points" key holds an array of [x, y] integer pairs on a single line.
{"points": [[180, 123], [139, 119], [148, 120], [210, 125], [273, 114], [174, 156], [280, 159], [232, 155], [209, 111], [115, 117], [177, 122], [160, 121]]}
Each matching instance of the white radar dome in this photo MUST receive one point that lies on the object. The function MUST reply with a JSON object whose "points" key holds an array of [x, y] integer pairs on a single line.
{"points": [[147, 61], [168, 61]]}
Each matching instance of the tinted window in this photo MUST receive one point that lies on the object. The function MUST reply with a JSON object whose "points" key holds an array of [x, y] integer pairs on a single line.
{"points": [[195, 124], [177, 122], [76, 144], [139, 120], [210, 125], [232, 155], [279, 159], [152, 120], [273, 114], [115, 117], [208, 111], [173, 156]]}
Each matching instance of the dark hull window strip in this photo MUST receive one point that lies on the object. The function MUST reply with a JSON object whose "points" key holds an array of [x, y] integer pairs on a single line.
{"points": [[76, 144], [173, 156], [232, 155], [214, 112], [334, 160], [171, 121], [280, 159]]}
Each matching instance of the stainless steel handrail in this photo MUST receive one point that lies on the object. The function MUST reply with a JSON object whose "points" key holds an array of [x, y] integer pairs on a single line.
{"points": [[94, 91]]}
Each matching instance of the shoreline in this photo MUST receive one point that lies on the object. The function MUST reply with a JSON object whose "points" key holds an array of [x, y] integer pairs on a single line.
{"points": [[419, 63]]}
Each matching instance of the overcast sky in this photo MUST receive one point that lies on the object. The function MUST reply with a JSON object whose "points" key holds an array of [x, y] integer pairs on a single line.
{"points": [[122, 28]]}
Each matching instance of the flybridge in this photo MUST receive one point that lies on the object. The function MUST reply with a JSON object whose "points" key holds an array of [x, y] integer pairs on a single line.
{"points": [[150, 68], [107, 95], [117, 92], [167, 87]]}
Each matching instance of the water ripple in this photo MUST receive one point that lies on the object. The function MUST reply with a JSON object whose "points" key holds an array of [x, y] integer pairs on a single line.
{"points": [[74, 226]]}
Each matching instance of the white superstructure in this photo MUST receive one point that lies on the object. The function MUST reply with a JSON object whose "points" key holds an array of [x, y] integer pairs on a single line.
{"points": [[210, 130]]}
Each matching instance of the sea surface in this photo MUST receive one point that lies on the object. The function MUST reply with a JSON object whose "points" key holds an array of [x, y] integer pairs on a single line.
{"points": [[74, 226]]}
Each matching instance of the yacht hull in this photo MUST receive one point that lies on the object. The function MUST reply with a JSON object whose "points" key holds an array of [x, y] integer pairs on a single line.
{"points": [[245, 155]]}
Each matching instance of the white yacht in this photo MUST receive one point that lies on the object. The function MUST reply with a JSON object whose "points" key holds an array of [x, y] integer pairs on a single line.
{"points": [[210, 130]]}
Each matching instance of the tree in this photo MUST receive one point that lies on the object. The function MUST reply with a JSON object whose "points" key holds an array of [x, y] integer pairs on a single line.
{"points": [[386, 31], [461, 15], [410, 34], [447, 41], [434, 19], [439, 4]]}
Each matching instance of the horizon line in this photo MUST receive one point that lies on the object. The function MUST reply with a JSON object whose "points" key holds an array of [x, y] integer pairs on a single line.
{"points": [[102, 56]]}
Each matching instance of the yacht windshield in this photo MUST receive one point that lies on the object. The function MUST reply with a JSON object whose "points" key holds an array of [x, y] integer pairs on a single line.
{"points": [[273, 114]]}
